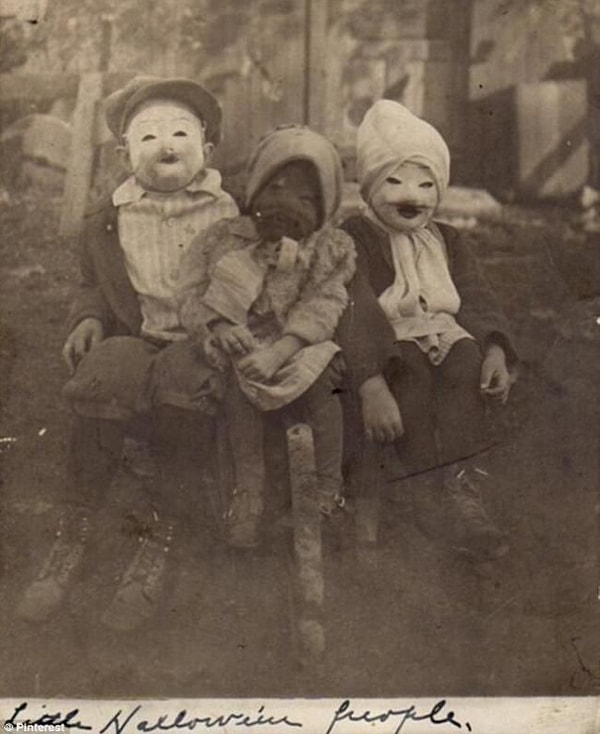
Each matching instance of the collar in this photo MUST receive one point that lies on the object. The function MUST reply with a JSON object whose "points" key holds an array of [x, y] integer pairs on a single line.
{"points": [[207, 182]]}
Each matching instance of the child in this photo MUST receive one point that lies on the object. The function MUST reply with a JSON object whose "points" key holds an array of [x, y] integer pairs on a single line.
{"points": [[423, 362], [263, 293], [126, 349]]}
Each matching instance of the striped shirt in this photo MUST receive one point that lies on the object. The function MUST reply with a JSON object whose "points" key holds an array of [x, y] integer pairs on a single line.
{"points": [[155, 229]]}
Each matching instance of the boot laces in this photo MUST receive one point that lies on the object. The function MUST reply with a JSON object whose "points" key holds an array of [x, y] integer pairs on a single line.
{"points": [[148, 565], [66, 551], [244, 504], [331, 503], [465, 493]]}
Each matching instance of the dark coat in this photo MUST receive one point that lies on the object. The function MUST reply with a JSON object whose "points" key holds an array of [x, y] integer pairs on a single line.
{"points": [[105, 291], [365, 334]]}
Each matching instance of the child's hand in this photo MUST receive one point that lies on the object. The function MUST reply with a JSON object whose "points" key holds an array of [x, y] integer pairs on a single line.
{"points": [[214, 355], [84, 336], [233, 339], [381, 415], [261, 364], [495, 377]]}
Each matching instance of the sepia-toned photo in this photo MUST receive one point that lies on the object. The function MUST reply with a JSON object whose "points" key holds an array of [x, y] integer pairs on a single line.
{"points": [[299, 362]]}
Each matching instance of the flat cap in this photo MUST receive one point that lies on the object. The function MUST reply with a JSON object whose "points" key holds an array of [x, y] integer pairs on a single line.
{"points": [[120, 105]]}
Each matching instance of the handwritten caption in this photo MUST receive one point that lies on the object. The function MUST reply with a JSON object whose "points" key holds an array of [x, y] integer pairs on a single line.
{"points": [[344, 719]]}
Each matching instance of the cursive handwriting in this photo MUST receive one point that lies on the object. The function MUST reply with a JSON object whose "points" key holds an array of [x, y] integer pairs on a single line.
{"points": [[119, 723], [68, 720], [345, 713], [136, 719]]}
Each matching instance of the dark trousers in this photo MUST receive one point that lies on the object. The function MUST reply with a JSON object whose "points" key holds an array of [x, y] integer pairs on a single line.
{"points": [[181, 440], [441, 406]]}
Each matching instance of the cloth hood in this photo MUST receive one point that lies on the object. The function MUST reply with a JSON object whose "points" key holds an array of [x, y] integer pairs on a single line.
{"points": [[297, 143], [390, 135]]}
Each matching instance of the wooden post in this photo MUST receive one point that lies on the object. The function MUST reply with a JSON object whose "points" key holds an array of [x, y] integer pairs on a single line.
{"points": [[310, 587], [79, 171], [106, 22], [317, 15], [460, 21]]}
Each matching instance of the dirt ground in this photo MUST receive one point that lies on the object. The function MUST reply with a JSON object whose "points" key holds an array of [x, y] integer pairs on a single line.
{"points": [[410, 621]]}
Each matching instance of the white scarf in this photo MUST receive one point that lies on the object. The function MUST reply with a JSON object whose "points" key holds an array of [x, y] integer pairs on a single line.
{"points": [[422, 302]]}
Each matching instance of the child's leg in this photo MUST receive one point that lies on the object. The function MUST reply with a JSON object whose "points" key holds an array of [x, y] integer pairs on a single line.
{"points": [[460, 407], [185, 397], [182, 441], [445, 400], [182, 377], [94, 455], [112, 380], [460, 418], [410, 380], [412, 384], [321, 408], [245, 430]]}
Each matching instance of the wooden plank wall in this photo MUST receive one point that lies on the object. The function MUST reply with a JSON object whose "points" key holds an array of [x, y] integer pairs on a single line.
{"points": [[267, 89], [252, 104], [518, 46], [551, 138], [415, 54]]}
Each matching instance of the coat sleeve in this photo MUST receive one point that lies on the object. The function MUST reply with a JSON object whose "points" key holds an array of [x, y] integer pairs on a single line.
{"points": [[480, 313], [323, 296], [89, 300]]}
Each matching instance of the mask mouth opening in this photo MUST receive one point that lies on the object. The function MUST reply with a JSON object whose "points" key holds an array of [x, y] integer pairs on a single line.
{"points": [[169, 158], [409, 211]]}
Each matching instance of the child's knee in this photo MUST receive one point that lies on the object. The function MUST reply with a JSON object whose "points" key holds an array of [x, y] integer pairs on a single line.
{"points": [[110, 381], [182, 379], [463, 364]]}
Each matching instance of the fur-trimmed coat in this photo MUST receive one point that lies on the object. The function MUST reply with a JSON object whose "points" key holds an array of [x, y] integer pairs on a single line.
{"points": [[306, 298]]}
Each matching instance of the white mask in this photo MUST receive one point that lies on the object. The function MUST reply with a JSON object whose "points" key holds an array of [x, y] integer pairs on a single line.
{"points": [[165, 145], [407, 197]]}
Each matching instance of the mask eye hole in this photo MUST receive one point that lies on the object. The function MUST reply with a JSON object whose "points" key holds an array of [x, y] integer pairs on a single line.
{"points": [[147, 137], [180, 134], [426, 185], [393, 180]]}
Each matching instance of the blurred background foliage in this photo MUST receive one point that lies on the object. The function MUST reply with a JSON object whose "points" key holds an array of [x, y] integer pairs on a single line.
{"points": [[144, 36], [164, 36]]}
